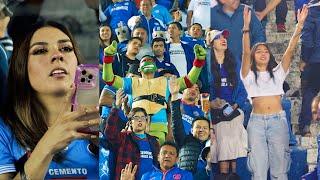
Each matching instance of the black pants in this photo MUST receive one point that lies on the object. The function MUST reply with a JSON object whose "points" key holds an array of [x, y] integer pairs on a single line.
{"points": [[260, 5], [310, 87]]}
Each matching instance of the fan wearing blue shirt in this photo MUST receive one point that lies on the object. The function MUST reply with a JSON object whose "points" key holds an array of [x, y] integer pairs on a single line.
{"points": [[120, 10], [168, 157], [189, 109], [162, 63]]}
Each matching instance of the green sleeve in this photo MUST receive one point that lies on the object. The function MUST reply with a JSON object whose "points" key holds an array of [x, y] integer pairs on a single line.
{"points": [[107, 76], [193, 76]]}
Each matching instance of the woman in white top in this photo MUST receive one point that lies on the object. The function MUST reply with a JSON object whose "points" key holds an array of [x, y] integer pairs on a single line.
{"points": [[267, 129]]}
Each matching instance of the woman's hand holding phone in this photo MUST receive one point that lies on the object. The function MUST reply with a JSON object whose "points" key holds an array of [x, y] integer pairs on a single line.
{"points": [[66, 129]]}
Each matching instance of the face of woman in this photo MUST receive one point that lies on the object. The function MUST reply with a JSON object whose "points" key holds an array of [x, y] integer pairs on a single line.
{"points": [[105, 33], [51, 62], [220, 43], [262, 55]]}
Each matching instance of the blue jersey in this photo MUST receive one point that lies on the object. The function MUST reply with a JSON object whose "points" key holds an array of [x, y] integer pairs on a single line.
{"points": [[189, 113], [78, 163], [146, 158], [171, 174], [120, 11], [161, 13], [192, 41]]}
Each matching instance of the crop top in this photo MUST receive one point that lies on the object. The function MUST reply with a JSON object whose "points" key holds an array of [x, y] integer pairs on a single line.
{"points": [[265, 85]]}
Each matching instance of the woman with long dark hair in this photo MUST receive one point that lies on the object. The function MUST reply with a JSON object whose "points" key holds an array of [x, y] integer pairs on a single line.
{"points": [[268, 128], [39, 137], [228, 96]]}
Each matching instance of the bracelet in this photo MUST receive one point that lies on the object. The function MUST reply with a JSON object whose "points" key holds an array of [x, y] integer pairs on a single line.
{"points": [[245, 30], [23, 175]]}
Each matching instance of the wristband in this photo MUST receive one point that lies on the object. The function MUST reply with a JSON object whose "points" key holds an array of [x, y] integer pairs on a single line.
{"points": [[188, 82], [245, 30], [107, 59], [199, 63], [110, 83]]}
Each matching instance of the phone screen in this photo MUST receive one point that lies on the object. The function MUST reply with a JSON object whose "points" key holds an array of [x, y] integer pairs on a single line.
{"points": [[228, 110]]}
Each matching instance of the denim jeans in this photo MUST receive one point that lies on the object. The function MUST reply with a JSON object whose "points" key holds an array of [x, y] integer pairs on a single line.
{"points": [[268, 146]]}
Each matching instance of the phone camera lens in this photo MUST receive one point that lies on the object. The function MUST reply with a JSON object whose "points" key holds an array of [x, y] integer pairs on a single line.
{"points": [[90, 76], [89, 81], [83, 72], [83, 79]]}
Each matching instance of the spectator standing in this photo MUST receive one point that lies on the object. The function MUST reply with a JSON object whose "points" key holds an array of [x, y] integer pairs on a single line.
{"points": [[310, 64], [168, 157], [197, 11], [228, 14]]}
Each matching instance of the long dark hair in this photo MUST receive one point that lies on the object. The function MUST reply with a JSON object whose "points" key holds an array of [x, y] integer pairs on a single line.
{"points": [[271, 64], [113, 37], [24, 112], [229, 64]]}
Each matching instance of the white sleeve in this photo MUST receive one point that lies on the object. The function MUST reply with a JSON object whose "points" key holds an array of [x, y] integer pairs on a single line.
{"points": [[132, 22], [279, 72], [249, 79], [191, 5]]}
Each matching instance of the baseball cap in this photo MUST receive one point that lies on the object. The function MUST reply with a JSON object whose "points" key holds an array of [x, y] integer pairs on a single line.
{"points": [[215, 34]]}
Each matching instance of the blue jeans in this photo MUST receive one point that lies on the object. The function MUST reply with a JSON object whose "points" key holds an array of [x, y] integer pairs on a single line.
{"points": [[286, 105], [268, 146]]}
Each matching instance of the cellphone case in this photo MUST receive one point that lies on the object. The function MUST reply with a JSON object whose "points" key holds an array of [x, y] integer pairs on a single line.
{"points": [[227, 109], [87, 85]]}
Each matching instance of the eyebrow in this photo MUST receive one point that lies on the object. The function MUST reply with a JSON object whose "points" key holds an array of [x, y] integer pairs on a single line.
{"points": [[45, 43]]}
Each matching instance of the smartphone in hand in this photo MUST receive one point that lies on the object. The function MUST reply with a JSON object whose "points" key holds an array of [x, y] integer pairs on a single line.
{"points": [[87, 92], [227, 110]]}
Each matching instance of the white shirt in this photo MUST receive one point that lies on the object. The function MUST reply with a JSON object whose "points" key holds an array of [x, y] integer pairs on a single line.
{"points": [[178, 58], [201, 10], [265, 85]]}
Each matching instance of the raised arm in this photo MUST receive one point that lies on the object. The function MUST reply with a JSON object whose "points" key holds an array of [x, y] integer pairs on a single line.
{"points": [[107, 75], [176, 117], [198, 63], [287, 56], [245, 64]]}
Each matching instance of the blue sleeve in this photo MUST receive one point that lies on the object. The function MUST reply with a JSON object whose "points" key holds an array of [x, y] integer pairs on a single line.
{"points": [[204, 79], [7, 159], [307, 39], [187, 176], [167, 16], [146, 176], [127, 85], [134, 9], [241, 94], [257, 32], [106, 12]]}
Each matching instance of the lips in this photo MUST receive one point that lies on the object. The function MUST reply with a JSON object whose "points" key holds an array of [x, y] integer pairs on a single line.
{"points": [[58, 72]]}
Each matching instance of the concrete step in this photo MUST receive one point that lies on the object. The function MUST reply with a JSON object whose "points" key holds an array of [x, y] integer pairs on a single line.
{"points": [[274, 36], [290, 18]]}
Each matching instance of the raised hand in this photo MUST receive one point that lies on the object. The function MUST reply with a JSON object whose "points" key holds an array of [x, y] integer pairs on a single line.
{"points": [[200, 52], [246, 18], [111, 49], [66, 128], [302, 15], [128, 173], [174, 85], [120, 97]]}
